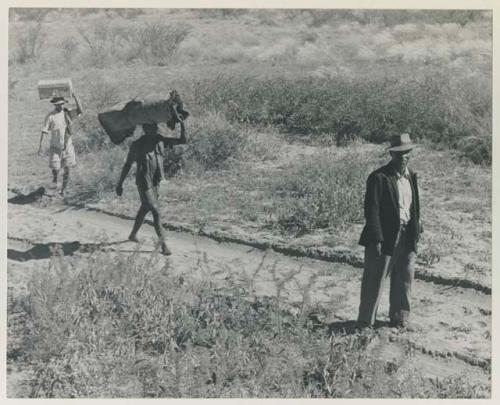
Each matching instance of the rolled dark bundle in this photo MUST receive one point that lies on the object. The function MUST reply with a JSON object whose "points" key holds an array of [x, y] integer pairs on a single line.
{"points": [[121, 120]]}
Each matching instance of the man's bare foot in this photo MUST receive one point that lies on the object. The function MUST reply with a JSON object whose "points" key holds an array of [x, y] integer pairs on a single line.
{"points": [[165, 250], [133, 238]]}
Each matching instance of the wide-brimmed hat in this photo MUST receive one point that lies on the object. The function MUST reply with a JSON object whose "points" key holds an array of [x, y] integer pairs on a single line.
{"points": [[401, 143], [58, 100]]}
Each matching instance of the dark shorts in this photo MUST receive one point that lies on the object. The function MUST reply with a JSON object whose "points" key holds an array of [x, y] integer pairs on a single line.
{"points": [[150, 198]]}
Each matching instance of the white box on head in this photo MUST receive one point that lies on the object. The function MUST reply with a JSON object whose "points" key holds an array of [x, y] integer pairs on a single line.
{"points": [[55, 88]]}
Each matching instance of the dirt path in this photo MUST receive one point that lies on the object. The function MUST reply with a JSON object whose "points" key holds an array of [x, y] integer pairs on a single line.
{"points": [[455, 335]]}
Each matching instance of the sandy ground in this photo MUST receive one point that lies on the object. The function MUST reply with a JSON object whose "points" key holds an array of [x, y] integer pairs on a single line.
{"points": [[454, 336]]}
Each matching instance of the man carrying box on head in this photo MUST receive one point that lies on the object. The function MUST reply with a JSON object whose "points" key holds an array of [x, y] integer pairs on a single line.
{"points": [[62, 153]]}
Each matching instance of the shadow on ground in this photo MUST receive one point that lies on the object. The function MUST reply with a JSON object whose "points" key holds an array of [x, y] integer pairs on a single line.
{"points": [[80, 198], [30, 198], [351, 327], [47, 250]]}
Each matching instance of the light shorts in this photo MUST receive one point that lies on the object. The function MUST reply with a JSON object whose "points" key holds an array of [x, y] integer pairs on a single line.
{"points": [[59, 159]]}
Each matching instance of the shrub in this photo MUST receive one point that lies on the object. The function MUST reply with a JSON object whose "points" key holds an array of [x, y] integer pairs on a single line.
{"points": [[476, 149], [68, 47], [30, 42], [174, 161], [103, 41], [100, 173], [214, 141], [326, 190], [432, 107], [157, 42]]}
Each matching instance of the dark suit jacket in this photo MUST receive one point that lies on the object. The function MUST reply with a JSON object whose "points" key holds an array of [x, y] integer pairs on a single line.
{"points": [[382, 210]]}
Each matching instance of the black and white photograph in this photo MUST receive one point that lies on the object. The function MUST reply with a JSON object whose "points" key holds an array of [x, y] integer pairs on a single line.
{"points": [[246, 203]]}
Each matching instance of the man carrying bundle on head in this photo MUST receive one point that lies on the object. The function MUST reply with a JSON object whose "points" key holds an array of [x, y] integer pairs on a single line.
{"points": [[148, 153]]}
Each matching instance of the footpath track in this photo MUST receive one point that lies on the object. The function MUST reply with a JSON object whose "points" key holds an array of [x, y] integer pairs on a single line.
{"points": [[454, 336]]}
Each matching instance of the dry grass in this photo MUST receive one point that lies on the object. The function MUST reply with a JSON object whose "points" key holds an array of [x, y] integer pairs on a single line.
{"points": [[92, 331]]}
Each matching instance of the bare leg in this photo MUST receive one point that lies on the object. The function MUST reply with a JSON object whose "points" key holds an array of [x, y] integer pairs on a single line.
{"points": [[55, 174], [151, 196], [139, 220], [65, 179]]}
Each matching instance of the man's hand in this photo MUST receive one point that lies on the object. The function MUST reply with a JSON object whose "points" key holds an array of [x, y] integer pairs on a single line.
{"points": [[39, 153], [378, 249], [119, 190]]}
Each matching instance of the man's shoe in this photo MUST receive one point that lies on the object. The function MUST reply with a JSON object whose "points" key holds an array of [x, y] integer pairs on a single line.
{"points": [[405, 326], [410, 327], [395, 324], [361, 325]]}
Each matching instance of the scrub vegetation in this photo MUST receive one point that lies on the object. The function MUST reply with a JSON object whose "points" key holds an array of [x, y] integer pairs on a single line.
{"points": [[290, 112]]}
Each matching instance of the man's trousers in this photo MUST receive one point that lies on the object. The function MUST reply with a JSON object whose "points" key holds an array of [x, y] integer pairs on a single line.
{"points": [[399, 267]]}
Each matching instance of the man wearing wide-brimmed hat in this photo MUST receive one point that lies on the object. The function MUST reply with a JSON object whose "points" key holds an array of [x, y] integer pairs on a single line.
{"points": [[62, 153], [390, 236]]}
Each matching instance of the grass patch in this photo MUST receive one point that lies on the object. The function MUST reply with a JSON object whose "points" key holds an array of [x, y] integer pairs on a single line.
{"points": [[127, 326], [100, 172], [325, 190]]}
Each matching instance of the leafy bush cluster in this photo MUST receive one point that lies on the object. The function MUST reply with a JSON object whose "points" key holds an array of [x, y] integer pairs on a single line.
{"points": [[431, 108], [29, 42], [151, 43], [126, 326], [155, 43], [104, 42], [214, 141]]}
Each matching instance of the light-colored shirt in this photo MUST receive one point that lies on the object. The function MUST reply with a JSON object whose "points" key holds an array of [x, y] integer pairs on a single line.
{"points": [[56, 124], [405, 196]]}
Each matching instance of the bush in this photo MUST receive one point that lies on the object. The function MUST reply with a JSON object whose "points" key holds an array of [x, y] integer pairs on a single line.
{"points": [[157, 42], [68, 47], [174, 161], [326, 190], [100, 173], [103, 41], [432, 107], [214, 142], [476, 149], [30, 42]]}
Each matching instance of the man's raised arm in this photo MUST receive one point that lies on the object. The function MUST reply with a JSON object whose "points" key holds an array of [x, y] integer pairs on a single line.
{"points": [[177, 141]]}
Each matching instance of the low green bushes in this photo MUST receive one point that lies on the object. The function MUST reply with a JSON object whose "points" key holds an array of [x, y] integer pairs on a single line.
{"points": [[432, 107]]}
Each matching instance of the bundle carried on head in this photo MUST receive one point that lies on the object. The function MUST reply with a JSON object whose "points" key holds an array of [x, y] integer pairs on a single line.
{"points": [[121, 120]]}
